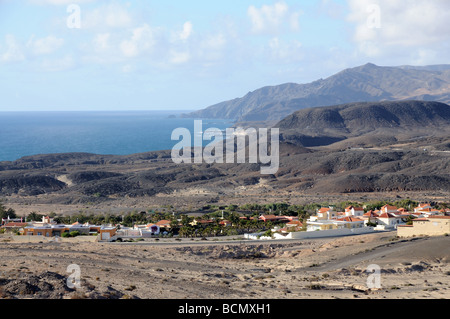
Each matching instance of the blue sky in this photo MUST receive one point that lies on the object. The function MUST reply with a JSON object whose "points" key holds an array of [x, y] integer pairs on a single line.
{"points": [[186, 55]]}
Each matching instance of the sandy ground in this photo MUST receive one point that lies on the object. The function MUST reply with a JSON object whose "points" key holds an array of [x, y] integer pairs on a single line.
{"points": [[316, 268]]}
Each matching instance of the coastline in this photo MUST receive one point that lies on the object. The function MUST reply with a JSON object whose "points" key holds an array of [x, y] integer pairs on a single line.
{"points": [[27, 134]]}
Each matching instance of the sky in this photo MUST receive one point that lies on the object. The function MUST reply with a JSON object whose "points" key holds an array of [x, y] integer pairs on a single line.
{"points": [[86, 55]]}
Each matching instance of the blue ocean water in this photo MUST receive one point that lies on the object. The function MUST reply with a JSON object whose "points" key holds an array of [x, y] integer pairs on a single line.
{"points": [[112, 133]]}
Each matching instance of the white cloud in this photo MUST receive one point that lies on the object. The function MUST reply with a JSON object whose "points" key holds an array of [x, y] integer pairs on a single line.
{"points": [[13, 52], [127, 68], [331, 8], [187, 31], [386, 27], [211, 49], [215, 42], [101, 42], [57, 65], [107, 16], [58, 2], [179, 57], [45, 45], [142, 41], [272, 18], [285, 52]]}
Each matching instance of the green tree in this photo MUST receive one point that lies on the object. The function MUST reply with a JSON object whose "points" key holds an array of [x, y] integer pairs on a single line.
{"points": [[34, 217], [61, 220], [186, 220], [234, 218], [174, 224], [186, 231], [406, 203], [5, 212], [409, 220], [376, 205], [268, 233]]}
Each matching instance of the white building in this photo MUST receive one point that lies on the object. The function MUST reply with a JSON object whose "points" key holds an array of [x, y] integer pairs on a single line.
{"points": [[422, 207], [388, 209], [337, 223], [389, 220], [325, 213], [148, 230], [354, 211]]}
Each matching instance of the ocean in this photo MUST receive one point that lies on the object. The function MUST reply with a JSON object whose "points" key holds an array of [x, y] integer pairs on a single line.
{"points": [[106, 133]]}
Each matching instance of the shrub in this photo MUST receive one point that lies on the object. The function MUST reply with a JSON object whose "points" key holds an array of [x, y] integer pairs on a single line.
{"points": [[74, 233], [268, 233]]}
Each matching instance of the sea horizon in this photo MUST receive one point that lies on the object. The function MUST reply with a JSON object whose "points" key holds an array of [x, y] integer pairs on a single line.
{"points": [[96, 111], [28, 133]]}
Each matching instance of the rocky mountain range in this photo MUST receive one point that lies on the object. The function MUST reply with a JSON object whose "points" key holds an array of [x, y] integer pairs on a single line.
{"points": [[366, 83], [378, 133], [366, 147], [366, 123]]}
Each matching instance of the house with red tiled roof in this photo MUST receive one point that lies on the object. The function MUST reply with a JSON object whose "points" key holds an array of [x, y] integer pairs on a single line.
{"points": [[272, 218], [422, 206], [164, 223], [290, 218], [14, 226], [370, 217], [388, 209], [11, 220], [201, 222], [46, 221], [428, 212], [354, 211], [348, 222], [326, 213], [268, 218], [352, 222], [225, 223], [294, 225], [371, 214]]}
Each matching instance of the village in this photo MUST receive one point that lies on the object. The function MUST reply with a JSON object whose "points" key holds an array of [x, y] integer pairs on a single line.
{"points": [[422, 220]]}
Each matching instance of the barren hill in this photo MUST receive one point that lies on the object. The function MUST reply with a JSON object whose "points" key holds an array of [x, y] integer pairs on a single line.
{"points": [[367, 83], [365, 148], [109, 181], [391, 121]]}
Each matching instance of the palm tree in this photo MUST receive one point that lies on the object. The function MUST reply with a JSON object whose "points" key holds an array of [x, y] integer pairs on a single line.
{"points": [[4, 213], [34, 217]]}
